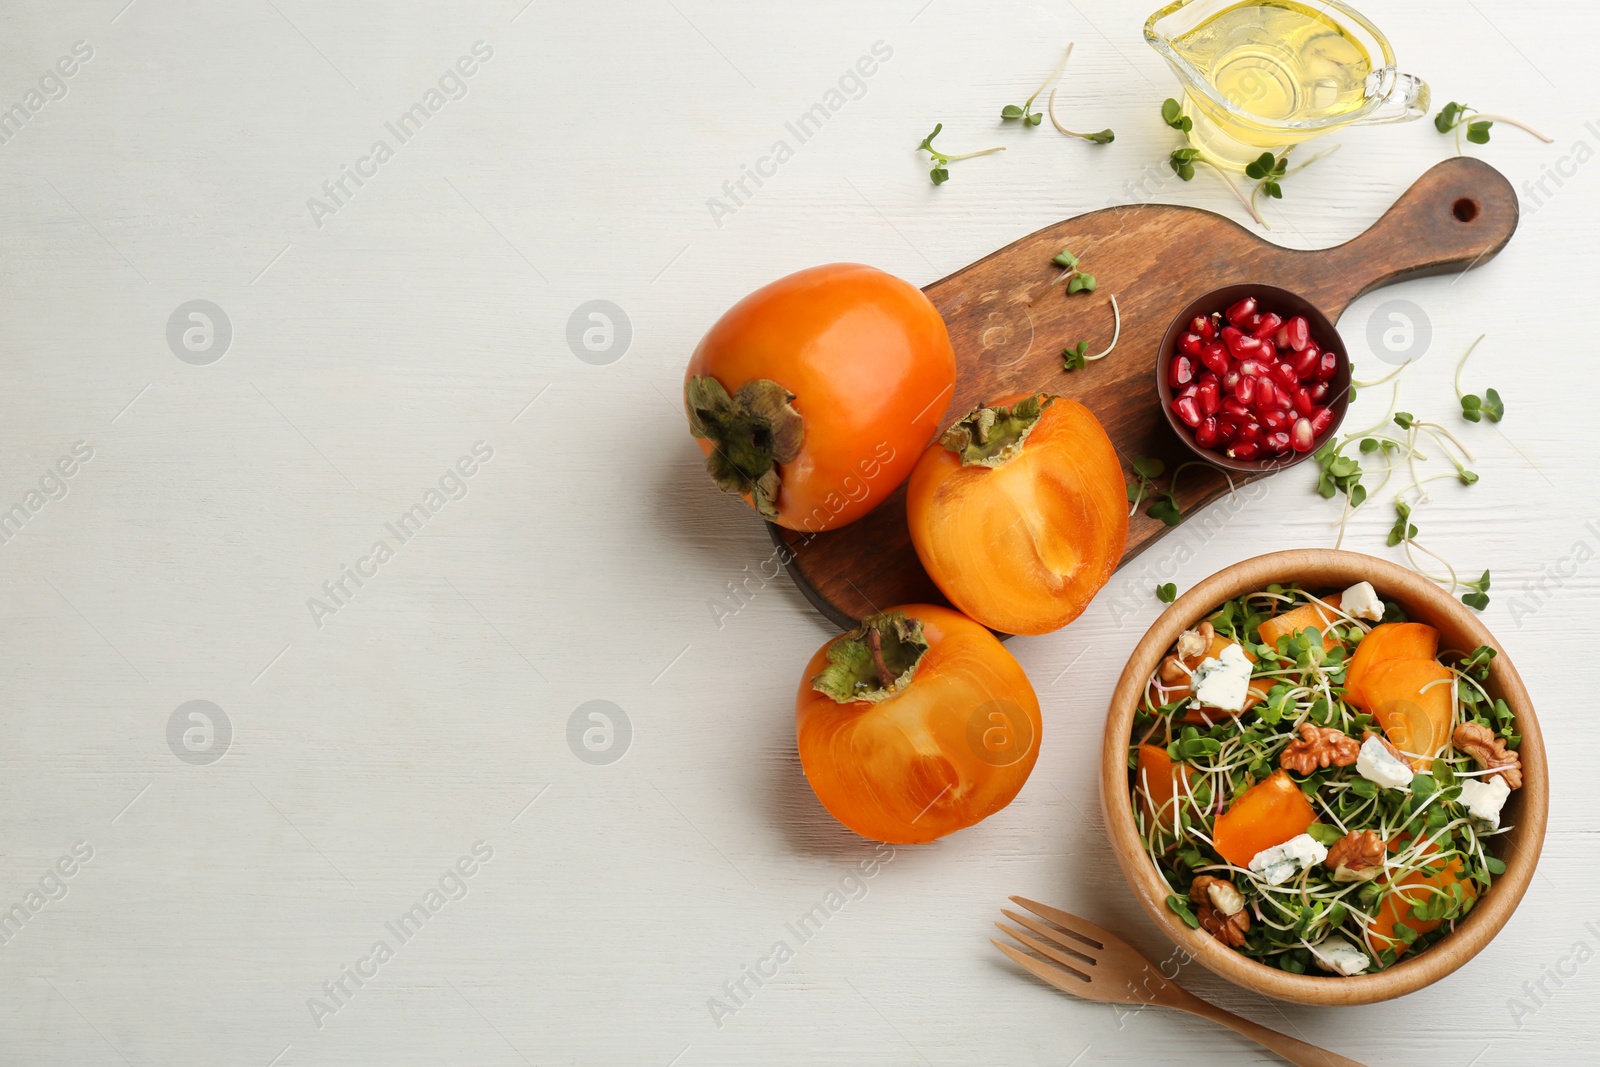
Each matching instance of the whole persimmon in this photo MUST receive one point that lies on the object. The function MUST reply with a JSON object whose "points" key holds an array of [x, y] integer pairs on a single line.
{"points": [[813, 396], [1019, 512], [916, 724]]}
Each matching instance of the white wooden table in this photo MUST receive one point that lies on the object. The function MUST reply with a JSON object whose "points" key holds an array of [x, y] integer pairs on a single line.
{"points": [[371, 338]]}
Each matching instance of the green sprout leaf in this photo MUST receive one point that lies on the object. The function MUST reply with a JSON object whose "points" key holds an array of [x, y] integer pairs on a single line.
{"points": [[1172, 114], [1167, 593], [1076, 358], [1478, 132], [1182, 161]]}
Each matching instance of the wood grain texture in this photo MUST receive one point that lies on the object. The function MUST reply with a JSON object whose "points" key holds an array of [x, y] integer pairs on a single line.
{"points": [[1008, 323]]}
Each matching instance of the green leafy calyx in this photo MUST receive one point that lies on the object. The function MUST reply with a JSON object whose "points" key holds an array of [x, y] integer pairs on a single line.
{"points": [[990, 437], [875, 660], [751, 433]]}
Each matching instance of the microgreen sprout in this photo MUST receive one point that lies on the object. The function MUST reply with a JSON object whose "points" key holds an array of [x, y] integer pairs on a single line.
{"points": [[1478, 597], [1172, 114], [1184, 160], [1146, 469], [1100, 137], [1077, 281], [1473, 407], [1025, 114], [1267, 170], [1167, 593], [1077, 356], [1454, 117], [940, 172]]}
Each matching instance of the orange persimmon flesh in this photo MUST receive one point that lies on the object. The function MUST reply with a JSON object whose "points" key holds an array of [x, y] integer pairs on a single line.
{"points": [[1269, 813], [1022, 547], [1388, 641], [1414, 700], [1396, 906], [1303, 617], [1158, 784]]}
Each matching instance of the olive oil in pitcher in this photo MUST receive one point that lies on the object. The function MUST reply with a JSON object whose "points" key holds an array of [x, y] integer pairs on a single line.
{"points": [[1264, 75]]}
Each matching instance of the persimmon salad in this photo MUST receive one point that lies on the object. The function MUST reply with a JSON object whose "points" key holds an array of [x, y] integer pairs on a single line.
{"points": [[1319, 784]]}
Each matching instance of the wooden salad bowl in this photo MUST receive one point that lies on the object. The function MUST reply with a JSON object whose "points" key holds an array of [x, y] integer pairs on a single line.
{"points": [[1459, 628]]}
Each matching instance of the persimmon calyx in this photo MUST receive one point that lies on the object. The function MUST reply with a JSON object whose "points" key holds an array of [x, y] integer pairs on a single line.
{"points": [[751, 432], [989, 437], [874, 661]]}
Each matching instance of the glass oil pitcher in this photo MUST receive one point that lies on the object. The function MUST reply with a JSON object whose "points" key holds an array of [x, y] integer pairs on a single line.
{"points": [[1264, 75]]}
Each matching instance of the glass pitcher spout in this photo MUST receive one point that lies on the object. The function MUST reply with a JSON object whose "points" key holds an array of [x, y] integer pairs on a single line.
{"points": [[1265, 75]]}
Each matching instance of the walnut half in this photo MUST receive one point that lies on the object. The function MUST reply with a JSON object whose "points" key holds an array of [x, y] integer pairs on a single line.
{"points": [[1489, 752], [1220, 908], [1197, 642], [1356, 857], [1319, 746]]}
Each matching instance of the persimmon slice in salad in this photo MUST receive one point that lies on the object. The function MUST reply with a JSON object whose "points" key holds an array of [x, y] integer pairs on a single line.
{"points": [[1318, 783]]}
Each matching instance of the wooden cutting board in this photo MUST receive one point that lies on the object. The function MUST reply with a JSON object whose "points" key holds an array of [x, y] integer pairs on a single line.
{"points": [[1009, 323]]}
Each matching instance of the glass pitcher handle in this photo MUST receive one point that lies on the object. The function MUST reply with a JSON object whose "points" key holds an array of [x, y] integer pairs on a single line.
{"points": [[1407, 100]]}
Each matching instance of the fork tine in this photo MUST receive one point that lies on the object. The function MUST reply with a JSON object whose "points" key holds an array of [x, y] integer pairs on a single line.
{"points": [[1055, 937], [1076, 967], [1082, 929], [1048, 974]]}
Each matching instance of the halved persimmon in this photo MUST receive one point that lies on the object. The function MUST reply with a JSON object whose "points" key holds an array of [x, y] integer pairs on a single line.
{"points": [[813, 396], [1019, 512], [916, 724], [1269, 813], [1415, 701], [1388, 641]]}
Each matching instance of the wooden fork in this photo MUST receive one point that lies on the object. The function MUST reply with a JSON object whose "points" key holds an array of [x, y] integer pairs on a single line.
{"points": [[1095, 964]]}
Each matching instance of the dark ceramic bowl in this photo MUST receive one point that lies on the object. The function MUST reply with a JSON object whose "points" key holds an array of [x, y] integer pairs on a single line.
{"points": [[1284, 303]]}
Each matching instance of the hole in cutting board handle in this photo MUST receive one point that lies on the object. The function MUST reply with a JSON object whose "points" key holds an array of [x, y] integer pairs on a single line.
{"points": [[1465, 209]]}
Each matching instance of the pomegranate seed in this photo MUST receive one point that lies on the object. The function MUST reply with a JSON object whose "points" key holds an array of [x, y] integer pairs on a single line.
{"points": [[1250, 432], [1242, 310], [1190, 344], [1242, 345], [1266, 327], [1244, 391], [1180, 371], [1303, 436], [1321, 420], [1319, 393], [1208, 396], [1276, 419], [1304, 363], [1303, 402], [1215, 357], [1233, 408], [1276, 442], [1284, 375], [1244, 450], [1187, 392], [1252, 368], [1227, 429], [1230, 380], [1185, 408], [1296, 333], [1266, 395], [1205, 435], [1327, 366]]}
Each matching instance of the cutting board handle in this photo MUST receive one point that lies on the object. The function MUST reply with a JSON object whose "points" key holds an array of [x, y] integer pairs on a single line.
{"points": [[1455, 217]]}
